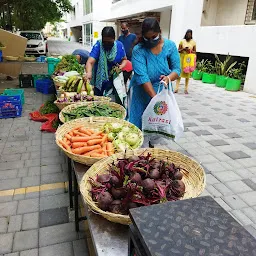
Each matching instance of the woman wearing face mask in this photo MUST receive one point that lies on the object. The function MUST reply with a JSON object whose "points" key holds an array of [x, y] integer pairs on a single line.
{"points": [[154, 59], [187, 45], [106, 54]]}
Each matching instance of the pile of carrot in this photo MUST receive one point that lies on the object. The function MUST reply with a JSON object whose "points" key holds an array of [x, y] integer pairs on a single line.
{"points": [[87, 142]]}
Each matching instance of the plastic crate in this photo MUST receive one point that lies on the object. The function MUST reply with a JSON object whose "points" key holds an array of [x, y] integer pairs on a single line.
{"points": [[36, 77], [14, 92], [26, 81], [10, 106], [1, 56], [52, 62], [45, 86]]}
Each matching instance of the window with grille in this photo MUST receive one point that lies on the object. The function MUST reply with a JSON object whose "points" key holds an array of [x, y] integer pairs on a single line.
{"points": [[254, 11], [87, 7], [88, 34]]}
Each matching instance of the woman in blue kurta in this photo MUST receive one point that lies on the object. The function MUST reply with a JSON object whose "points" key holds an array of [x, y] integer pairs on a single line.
{"points": [[153, 60], [106, 54]]}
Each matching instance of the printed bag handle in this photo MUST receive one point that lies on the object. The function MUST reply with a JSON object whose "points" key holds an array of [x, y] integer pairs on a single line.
{"points": [[167, 85]]}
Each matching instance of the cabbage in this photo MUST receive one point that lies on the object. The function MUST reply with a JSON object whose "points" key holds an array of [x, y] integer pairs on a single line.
{"points": [[121, 136], [120, 145], [126, 129], [111, 136], [115, 127], [132, 138]]}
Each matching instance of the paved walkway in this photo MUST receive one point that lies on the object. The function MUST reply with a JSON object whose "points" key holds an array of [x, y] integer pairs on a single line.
{"points": [[34, 214]]}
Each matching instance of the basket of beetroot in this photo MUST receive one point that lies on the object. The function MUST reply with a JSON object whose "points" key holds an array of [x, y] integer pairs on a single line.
{"points": [[138, 178]]}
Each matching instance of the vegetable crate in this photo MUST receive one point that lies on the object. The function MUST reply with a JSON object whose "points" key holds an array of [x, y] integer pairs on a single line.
{"points": [[26, 81], [14, 92], [52, 62], [1, 56], [10, 106], [45, 86], [36, 77]]}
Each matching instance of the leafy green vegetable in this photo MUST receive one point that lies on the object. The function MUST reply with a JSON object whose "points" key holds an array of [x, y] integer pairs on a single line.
{"points": [[92, 110], [69, 63], [48, 108]]}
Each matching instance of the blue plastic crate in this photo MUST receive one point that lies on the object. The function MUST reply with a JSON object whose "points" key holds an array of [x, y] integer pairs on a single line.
{"points": [[45, 86], [14, 92], [1, 56], [10, 106]]}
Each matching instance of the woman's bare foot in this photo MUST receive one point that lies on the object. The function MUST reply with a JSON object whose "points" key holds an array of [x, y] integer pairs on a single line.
{"points": [[186, 92], [176, 91]]}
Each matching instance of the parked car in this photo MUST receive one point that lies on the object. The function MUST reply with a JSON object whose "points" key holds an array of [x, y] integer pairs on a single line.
{"points": [[37, 43]]}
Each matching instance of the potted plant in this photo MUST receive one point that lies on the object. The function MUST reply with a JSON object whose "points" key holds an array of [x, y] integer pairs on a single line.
{"points": [[198, 73], [222, 69], [209, 75], [235, 78]]}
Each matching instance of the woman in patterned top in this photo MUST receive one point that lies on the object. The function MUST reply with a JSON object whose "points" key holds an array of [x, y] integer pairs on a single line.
{"points": [[154, 59], [105, 54]]}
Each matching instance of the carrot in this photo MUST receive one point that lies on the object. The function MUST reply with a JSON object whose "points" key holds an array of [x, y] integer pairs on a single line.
{"points": [[71, 134], [97, 155], [85, 149], [78, 133], [65, 145], [84, 139], [94, 142], [91, 131], [110, 149], [79, 144], [99, 151], [68, 136], [98, 133], [104, 148], [104, 139], [83, 130]]}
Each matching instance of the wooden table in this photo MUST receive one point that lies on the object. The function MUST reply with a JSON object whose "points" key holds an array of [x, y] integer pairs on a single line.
{"points": [[109, 239]]}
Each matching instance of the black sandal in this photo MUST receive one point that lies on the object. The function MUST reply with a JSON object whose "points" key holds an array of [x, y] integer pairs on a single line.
{"points": [[150, 145]]}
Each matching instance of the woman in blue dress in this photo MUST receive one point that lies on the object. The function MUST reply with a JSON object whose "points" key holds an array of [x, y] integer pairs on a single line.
{"points": [[153, 59], [105, 54]]}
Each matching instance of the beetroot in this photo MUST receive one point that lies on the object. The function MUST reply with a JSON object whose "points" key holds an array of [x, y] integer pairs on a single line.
{"points": [[104, 200], [133, 158], [136, 178], [115, 181], [118, 193], [116, 207], [148, 184], [132, 205], [178, 175], [154, 174], [178, 188], [103, 178]]}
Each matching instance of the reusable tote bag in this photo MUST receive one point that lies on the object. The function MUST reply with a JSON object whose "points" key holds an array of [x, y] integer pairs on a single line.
{"points": [[189, 63], [118, 81], [162, 116]]}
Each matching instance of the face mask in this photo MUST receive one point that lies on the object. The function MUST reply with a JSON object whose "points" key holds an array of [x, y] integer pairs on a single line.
{"points": [[107, 46], [125, 32], [151, 43]]}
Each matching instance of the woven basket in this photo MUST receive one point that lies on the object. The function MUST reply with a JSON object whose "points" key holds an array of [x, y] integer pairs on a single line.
{"points": [[11, 58], [30, 59], [95, 123], [112, 105], [58, 84], [194, 180], [96, 99], [21, 58]]}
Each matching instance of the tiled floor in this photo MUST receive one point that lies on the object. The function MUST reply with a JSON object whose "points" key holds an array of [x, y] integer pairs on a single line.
{"points": [[34, 215]]}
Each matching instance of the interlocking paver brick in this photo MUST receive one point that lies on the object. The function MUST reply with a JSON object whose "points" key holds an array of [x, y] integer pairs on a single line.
{"points": [[30, 181], [25, 240], [252, 230], [32, 252], [247, 162], [210, 179], [249, 198], [213, 191], [35, 155], [32, 162], [250, 183], [11, 165], [237, 155], [57, 234], [52, 168], [30, 221], [250, 145], [28, 205], [34, 171], [244, 173], [233, 135], [8, 208], [3, 224], [15, 223], [53, 178], [9, 174], [241, 217], [205, 159], [6, 243], [10, 183], [63, 249], [52, 202], [218, 143], [80, 248], [23, 172], [202, 132], [251, 213], [12, 254], [235, 202], [224, 190], [238, 186], [215, 167]]}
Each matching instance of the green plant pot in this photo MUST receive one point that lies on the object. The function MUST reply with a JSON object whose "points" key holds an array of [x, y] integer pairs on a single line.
{"points": [[221, 81], [209, 78], [197, 75], [233, 84]]}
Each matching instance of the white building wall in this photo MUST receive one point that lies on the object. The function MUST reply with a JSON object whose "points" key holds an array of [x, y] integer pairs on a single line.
{"points": [[165, 22]]}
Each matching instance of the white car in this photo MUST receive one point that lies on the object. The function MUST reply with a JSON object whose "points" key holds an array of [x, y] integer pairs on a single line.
{"points": [[37, 43]]}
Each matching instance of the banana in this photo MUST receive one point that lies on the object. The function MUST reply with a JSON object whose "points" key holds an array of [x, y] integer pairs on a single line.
{"points": [[80, 85], [76, 84], [88, 87], [70, 81]]}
